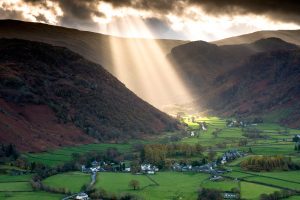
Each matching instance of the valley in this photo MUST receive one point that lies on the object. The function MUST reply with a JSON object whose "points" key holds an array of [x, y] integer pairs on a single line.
{"points": [[277, 140], [85, 115]]}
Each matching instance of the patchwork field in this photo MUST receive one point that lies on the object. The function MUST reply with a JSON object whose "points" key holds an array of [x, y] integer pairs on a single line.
{"points": [[169, 184]]}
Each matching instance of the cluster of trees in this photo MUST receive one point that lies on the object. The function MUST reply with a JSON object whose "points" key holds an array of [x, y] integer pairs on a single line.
{"points": [[277, 195], [269, 163], [8, 152], [297, 146], [252, 133], [216, 132], [209, 194], [100, 193], [157, 154]]}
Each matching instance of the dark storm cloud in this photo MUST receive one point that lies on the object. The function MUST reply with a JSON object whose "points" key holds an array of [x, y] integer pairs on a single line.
{"points": [[284, 10]]}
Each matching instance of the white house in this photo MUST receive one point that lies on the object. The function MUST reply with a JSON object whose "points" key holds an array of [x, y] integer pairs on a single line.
{"points": [[148, 168], [82, 196], [192, 134], [127, 169]]}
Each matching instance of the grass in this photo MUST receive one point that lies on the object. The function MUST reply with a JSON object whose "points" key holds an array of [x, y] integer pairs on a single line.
{"points": [[60, 156], [253, 191], [225, 185], [274, 182], [15, 186], [175, 184], [71, 180], [168, 184], [29, 195], [8, 178]]}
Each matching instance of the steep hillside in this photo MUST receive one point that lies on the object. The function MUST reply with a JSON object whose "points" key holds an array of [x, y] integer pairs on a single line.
{"points": [[201, 62], [291, 36], [93, 46], [259, 78], [117, 55], [50, 94], [266, 83]]}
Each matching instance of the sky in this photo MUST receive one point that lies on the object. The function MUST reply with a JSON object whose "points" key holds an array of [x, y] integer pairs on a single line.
{"points": [[207, 20]]}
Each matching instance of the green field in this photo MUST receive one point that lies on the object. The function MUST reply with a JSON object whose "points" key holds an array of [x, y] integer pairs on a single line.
{"points": [[60, 156], [253, 191], [29, 195], [170, 185], [73, 181]]}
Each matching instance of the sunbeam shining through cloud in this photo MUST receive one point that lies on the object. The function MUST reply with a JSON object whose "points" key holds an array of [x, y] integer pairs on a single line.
{"points": [[150, 74]]}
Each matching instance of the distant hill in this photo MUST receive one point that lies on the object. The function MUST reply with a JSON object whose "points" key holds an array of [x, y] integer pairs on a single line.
{"points": [[257, 79], [291, 36], [50, 97]]}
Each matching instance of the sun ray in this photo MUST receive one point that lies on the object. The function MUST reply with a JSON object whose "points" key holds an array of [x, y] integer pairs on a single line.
{"points": [[144, 68]]}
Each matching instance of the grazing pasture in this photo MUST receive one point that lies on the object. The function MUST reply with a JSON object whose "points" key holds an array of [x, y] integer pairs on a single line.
{"points": [[164, 185], [60, 156], [73, 181]]}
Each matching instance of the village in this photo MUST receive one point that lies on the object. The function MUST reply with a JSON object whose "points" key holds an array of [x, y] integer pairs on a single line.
{"points": [[213, 168]]}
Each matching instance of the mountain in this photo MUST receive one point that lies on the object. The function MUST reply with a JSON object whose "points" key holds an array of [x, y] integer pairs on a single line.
{"points": [[201, 62], [117, 55], [93, 46], [291, 36], [257, 79], [50, 96]]}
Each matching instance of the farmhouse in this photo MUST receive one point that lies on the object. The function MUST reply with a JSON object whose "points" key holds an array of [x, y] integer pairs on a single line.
{"points": [[216, 178], [230, 195], [149, 169], [82, 196], [181, 167], [192, 133], [231, 155]]}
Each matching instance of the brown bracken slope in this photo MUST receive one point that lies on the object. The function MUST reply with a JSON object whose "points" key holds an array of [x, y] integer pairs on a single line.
{"points": [[50, 97]]}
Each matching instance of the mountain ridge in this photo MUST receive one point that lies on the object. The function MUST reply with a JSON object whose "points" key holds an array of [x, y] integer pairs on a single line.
{"points": [[74, 92]]}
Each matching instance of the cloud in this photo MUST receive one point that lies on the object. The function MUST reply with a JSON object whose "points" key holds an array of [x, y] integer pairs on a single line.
{"points": [[164, 18]]}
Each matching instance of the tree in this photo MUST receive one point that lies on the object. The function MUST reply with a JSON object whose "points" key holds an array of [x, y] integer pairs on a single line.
{"points": [[135, 167], [135, 184], [209, 194], [243, 142], [211, 154], [216, 132]]}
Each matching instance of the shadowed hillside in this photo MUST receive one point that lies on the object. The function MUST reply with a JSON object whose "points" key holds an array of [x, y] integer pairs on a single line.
{"points": [[49, 96], [259, 78], [201, 62]]}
